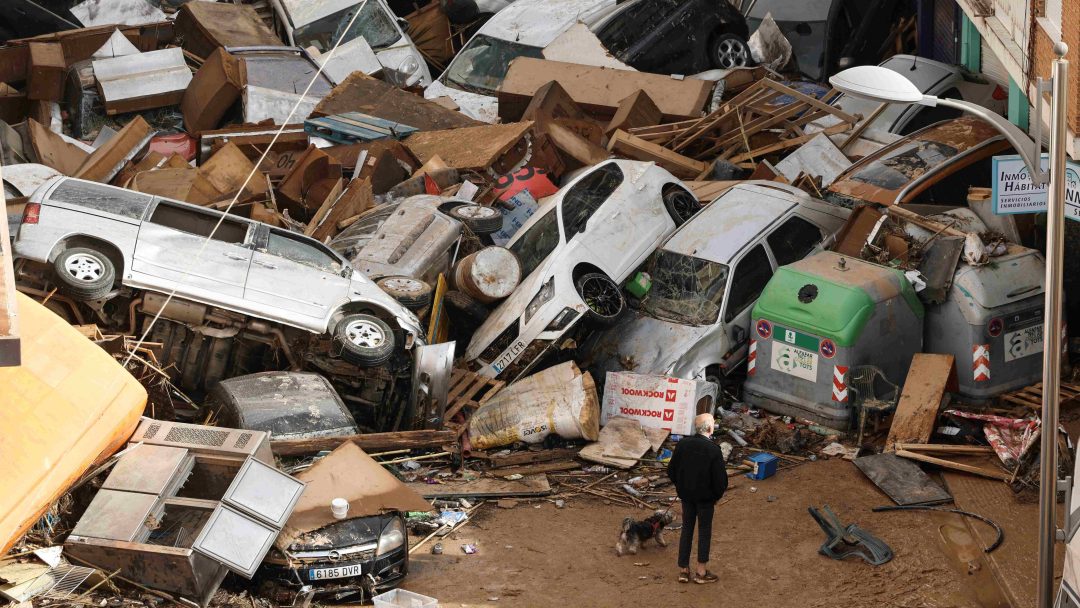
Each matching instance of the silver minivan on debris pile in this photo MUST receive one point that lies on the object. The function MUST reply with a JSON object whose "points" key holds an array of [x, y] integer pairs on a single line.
{"points": [[118, 253]]}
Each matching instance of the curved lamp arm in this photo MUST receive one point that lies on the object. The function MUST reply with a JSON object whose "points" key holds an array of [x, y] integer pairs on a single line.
{"points": [[1024, 145]]}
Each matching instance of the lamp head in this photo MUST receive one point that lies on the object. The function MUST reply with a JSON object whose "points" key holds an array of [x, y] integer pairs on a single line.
{"points": [[877, 84]]}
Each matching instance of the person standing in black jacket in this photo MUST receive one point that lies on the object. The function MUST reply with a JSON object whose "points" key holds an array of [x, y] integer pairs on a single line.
{"points": [[698, 470]]}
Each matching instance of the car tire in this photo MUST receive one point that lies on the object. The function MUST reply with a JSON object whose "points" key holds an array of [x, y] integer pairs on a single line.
{"points": [[603, 298], [364, 340], [413, 294], [481, 220], [87, 274], [730, 51], [681, 205], [466, 305]]}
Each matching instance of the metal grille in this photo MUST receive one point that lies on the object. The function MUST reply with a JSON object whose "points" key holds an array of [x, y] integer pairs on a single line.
{"points": [[152, 431], [499, 344], [65, 580], [242, 441], [207, 437]]}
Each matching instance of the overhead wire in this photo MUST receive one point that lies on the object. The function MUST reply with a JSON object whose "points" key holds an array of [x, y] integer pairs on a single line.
{"points": [[255, 169]]}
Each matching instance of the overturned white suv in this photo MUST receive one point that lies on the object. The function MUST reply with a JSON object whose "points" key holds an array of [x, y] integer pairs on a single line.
{"points": [[575, 252], [99, 239]]}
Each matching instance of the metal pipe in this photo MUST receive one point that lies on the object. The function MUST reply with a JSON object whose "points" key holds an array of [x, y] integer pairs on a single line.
{"points": [[1055, 220]]}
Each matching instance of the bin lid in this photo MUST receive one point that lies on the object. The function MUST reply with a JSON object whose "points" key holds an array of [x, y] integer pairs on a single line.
{"points": [[1017, 275], [823, 297]]}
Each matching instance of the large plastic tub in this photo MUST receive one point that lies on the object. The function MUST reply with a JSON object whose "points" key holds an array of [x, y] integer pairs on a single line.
{"points": [[400, 598]]}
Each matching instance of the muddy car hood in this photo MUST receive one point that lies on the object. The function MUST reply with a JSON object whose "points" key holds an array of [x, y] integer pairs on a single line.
{"points": [[345, 533], [643, 345]]}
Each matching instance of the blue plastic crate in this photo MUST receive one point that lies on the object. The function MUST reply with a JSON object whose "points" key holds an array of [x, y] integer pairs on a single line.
{"points": [[766, 465]]}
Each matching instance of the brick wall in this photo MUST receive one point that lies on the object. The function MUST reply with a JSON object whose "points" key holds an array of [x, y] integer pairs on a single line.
{"points": [[1044, 55]]}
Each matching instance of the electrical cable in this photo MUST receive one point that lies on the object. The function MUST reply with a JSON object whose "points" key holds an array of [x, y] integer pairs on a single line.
{"points": [[986, 520]]}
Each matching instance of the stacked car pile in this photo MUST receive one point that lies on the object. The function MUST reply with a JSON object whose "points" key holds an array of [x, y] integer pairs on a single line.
{"points": [[310, 245]]}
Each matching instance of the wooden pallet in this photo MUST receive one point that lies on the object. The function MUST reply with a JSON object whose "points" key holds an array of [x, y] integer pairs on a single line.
{"points": [[1031, 396], [468, 391]]}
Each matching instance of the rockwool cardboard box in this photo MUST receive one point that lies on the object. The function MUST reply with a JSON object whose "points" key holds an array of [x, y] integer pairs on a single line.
{"points": [[657, 401]]}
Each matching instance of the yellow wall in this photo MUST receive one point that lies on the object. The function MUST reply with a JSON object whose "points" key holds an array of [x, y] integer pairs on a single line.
{"points": [[68, 406]]}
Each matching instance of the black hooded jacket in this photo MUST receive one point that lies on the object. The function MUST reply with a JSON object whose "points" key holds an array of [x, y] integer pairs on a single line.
{"points": [[698, 470]]}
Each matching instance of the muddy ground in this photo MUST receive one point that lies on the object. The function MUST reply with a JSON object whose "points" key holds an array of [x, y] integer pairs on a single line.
{"points": [[765, 551]]}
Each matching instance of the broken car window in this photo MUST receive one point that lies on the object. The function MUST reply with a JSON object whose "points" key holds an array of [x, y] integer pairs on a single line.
{"points": [[198, 222], [373, 25], [537, 243], [481, 66], [685, 289], [905, 164], [793, 240], [751, 275], [101, 197], [291, 248], [586, 196]]}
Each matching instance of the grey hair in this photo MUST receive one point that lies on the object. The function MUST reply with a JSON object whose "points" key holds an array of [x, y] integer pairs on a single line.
{"points": [[703, 424]]}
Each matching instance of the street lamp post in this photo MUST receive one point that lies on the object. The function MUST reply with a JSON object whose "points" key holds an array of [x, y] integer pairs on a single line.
{"points": [[884, 85]]}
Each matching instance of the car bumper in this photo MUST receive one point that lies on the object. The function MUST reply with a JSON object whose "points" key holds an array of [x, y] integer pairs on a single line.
{"points": [[376, 574], [532, 342]]}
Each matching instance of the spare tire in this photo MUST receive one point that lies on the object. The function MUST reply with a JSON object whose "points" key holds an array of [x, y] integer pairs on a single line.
{"points": [[481, 220], [413, 294], [364, 340], [469, 307], [85, 273]]}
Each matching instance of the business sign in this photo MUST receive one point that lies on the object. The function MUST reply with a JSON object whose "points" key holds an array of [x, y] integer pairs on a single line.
{"points": [[1013, 191]]}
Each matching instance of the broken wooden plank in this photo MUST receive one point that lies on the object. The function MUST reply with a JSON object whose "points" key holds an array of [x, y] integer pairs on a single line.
{"points": [[370, 442], [636, 148], [944, 448], [546, 467], [526, 487], [929, 376], [106, 161], [531, 457], [957, 466]]}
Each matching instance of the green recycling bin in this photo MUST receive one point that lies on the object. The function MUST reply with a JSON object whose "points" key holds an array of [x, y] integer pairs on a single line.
{"points": [[815, 320]]}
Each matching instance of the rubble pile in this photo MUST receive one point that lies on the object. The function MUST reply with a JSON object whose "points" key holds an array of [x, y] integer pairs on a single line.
{"points": [[332, 298]]}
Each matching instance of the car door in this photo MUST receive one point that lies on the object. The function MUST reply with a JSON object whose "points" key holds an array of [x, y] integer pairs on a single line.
{"points": [[294, 275], [201, 253], [752, 271]]}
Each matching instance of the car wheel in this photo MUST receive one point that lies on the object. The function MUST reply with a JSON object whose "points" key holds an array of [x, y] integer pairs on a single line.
{"points": [[681, 205], [364, 340], [730, 51], [466, 305], [602, 296], [413, 294], [481, 220], [87, 274]]}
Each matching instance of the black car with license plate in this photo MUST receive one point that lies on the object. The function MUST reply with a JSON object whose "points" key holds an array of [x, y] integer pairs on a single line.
{"points": [[362, 556]]}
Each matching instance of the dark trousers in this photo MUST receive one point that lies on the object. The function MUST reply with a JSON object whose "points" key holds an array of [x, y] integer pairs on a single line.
{"points": [[700, 513]]}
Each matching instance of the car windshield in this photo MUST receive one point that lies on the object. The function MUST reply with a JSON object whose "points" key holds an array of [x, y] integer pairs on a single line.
{"points": [[373, 25], [481, 66], [685, 289], [905, 164], [537, 243]]}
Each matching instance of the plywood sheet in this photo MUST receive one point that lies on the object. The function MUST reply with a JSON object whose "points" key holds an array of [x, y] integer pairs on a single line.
{"points": [[467, 148], [928, 378], [902, 480], [530, 485]]}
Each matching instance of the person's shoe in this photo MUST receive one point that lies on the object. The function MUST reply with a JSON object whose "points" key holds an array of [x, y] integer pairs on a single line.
{"points": [[708, 577], [684, 576]]}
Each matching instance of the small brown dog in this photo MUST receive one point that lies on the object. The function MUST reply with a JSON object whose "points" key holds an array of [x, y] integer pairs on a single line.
{"points": [[633, 533]]}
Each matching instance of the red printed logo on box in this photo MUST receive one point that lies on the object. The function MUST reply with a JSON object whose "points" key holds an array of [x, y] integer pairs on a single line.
{"points": [[671, 394], [669, 415]]}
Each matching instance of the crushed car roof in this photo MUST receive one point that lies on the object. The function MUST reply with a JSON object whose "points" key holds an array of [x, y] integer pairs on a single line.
{"points": [[538, 22]]}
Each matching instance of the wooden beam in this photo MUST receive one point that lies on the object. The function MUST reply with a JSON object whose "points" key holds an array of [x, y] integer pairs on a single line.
{"points": [[790, 143], [948, 464], [636, 148], [944, 448], [371, 442], [928, 378], [547, 467]]}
